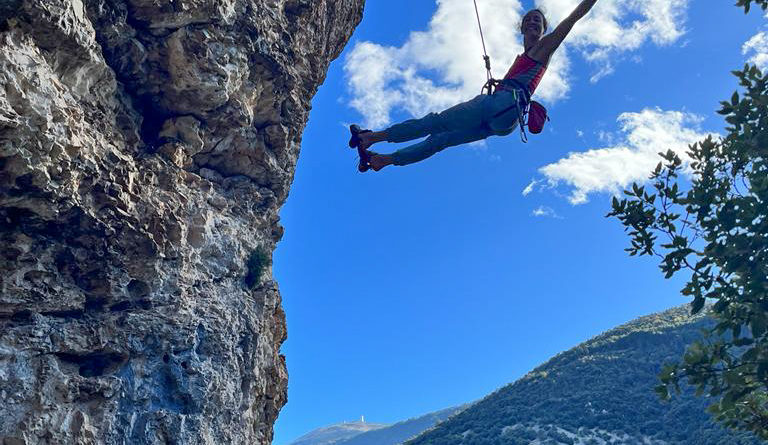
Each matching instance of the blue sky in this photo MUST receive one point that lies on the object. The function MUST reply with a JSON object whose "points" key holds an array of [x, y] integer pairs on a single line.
{"points": [[422, 287]]}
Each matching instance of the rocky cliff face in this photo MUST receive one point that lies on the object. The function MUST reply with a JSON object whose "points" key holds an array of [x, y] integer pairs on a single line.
{"points": [[146, 147]]}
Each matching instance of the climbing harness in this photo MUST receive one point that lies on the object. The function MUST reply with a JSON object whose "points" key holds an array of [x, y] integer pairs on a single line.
{"points": [[521, 106], [523, 116], [521, 110]]}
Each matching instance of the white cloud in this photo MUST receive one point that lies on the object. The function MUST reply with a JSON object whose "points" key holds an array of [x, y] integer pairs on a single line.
{"points": [[606, 137], [618, 26], [443, 65], [611, 169], [757, 47], [529, 188], [606, 70], [621, 24], [542, 211]]}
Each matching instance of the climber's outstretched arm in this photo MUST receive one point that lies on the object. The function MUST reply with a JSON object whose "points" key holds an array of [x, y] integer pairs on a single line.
{"points": [[552, 41]]}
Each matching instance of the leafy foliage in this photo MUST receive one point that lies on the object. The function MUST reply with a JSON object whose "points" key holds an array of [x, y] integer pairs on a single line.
{"points": [[598, 392], [746, 4], [257, 263], [717, 231]]}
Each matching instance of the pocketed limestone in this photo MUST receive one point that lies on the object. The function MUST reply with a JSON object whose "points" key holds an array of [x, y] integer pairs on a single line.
{"points": [[145, 151]]}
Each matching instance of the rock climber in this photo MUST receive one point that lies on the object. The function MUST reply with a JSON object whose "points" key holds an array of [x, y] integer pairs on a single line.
{"points": [[483, 116]]}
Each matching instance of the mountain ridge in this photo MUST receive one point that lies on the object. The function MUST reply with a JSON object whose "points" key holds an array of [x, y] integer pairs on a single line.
{"points": [[614, 403], [387, 434], [600, 391], [336, 433]]}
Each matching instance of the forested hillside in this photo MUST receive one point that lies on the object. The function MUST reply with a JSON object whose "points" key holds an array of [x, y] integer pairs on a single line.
{"points": [[601, 391]]}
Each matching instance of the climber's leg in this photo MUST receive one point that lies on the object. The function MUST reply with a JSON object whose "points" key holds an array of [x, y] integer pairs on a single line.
{"points": [[464, 116], [480, 111], [435, 143]]}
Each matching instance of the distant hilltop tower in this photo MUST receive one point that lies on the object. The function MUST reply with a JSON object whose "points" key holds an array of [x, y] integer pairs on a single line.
{"points": [[362, 419]]}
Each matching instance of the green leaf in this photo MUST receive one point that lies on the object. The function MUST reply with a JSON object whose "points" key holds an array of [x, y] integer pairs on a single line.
{"points": [[697, 305], [762, 371], [727, 403], [662, 391], [720, 306], [744, 341], [757, 326]]}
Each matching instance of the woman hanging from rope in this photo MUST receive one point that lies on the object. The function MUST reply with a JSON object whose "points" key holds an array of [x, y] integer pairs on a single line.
{"points": [[485, 115]]}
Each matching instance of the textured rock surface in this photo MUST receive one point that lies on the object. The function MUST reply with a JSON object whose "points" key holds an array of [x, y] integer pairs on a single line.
{"points": [[146, 147]]}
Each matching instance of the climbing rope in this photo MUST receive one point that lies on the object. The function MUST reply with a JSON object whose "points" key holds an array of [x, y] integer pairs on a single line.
{"points": [[490, 81], [490, 84]]}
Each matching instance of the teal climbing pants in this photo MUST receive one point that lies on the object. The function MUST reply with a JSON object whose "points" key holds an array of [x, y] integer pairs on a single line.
{"points": [[473, 120]]}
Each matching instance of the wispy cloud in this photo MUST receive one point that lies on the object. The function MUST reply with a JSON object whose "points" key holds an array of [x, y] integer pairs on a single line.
{"points": [[529, 188], [610, 169], [442, 65], [544, 211], [757, 49]]}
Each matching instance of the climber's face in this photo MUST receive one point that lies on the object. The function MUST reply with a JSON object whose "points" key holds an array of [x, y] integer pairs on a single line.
{"points": [[534, 24]]}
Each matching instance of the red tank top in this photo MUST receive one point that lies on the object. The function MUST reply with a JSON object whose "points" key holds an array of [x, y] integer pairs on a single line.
{"points": [[526, 71]]}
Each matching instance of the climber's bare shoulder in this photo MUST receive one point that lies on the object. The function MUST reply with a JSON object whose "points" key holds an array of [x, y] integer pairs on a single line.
{"points": [[540, 53]]}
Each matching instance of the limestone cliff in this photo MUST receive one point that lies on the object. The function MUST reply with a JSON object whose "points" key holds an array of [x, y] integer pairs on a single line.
{"points": [[146, 147]]}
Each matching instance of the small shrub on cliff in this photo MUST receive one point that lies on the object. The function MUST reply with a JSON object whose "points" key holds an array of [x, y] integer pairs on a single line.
{"points": [[257, 262]]}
